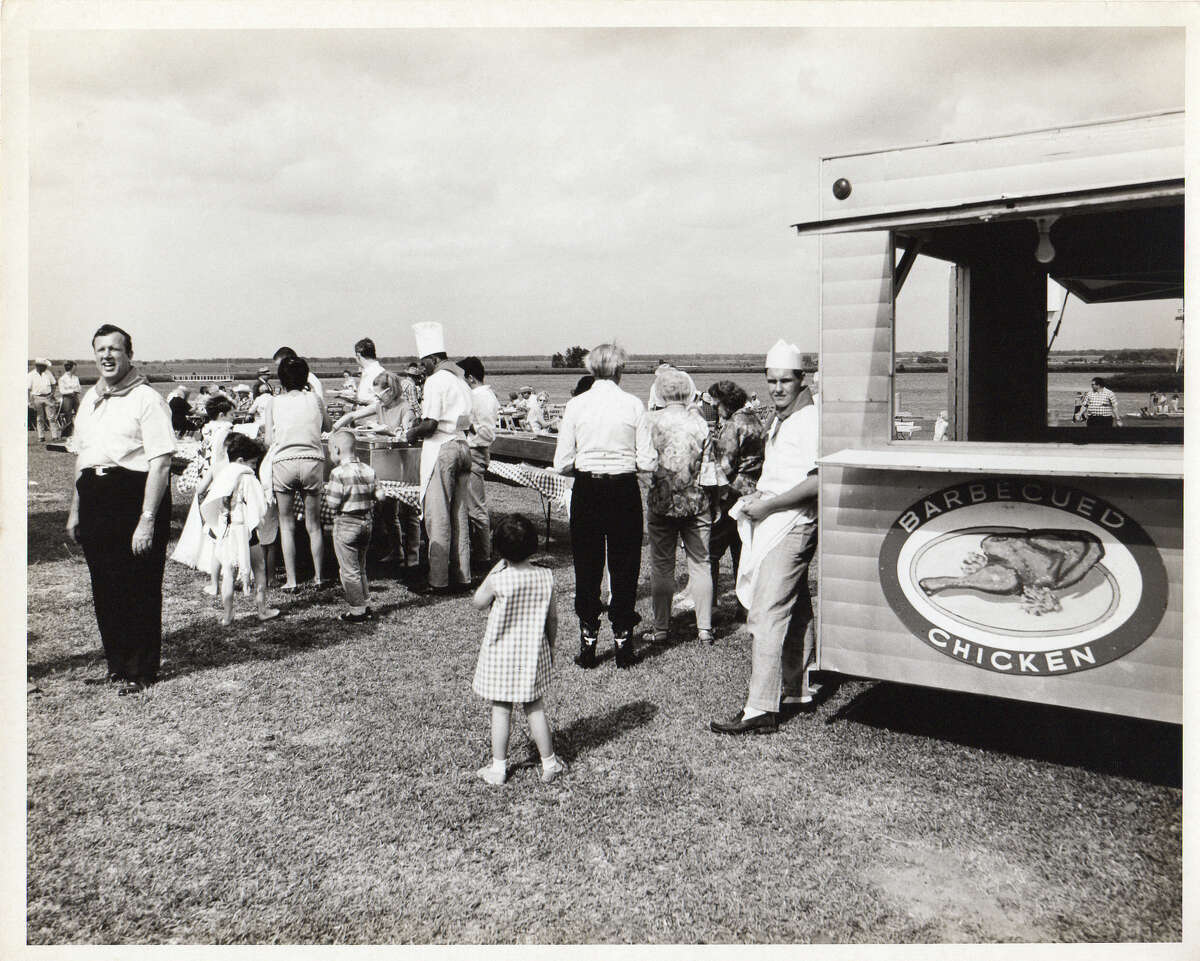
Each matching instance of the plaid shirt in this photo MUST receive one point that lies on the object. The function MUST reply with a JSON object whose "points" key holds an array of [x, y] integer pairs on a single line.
{"points": [[1099, 403], [351, 488]]}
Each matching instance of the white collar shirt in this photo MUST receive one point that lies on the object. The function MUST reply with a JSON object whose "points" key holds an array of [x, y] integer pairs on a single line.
{"points": [[448, 401], [366, 381], [604, 431], [123, 431], [68, 384], [485, 415], [40, 383]]}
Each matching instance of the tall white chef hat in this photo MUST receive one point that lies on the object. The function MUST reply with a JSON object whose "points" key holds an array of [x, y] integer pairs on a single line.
{"points": [[430, 338], [785, 356]]}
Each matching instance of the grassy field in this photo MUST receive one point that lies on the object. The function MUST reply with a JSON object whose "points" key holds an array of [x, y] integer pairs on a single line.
{"points": [[308, 781]]}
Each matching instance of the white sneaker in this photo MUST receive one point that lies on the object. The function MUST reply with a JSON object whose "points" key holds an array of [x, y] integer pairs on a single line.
{"points": [[549, 775], [493, 776]]}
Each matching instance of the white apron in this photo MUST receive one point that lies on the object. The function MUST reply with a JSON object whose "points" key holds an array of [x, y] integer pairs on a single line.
{"points": [[758, 541]]}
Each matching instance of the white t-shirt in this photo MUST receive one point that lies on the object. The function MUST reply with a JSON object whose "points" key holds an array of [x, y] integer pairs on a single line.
{"points": [[485, 415], [791, 453], [366, 382], [448, 401], [68, 384]]}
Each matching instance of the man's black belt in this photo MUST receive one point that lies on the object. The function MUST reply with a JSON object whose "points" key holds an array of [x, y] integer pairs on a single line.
{"points": [[104, 471], [603, 477]]}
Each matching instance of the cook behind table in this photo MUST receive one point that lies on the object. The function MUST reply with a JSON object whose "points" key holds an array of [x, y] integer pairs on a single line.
{"points": [[121, 509]]}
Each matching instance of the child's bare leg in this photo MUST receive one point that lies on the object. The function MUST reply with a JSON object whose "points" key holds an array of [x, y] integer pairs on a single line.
{"points": [[227, 597], [501, 724], [258, 564], [539, 727], [214, 571]]}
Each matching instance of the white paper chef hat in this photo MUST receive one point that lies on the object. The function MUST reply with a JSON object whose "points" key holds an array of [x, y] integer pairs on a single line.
{"points": [[785, 356], [430, 338]]}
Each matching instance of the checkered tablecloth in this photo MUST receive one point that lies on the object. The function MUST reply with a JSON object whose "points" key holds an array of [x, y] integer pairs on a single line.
{"points": [[554, 488]]}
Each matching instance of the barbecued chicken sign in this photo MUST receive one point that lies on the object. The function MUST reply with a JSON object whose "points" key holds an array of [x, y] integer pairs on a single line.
{"points": [[1023, 576]]}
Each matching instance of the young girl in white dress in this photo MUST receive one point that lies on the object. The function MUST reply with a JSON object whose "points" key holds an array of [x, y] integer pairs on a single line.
{"points": [[515, 657], [195, 545]]}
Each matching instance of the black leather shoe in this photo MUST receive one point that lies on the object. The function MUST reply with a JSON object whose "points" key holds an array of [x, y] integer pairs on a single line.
{"points": [[107, 679], [759, 724], [587, 649], [625, 656], [131, 687]]}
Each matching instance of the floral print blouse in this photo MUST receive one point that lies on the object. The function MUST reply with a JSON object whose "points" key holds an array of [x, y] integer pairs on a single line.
{"points": [[739, 451], [680, 436]]}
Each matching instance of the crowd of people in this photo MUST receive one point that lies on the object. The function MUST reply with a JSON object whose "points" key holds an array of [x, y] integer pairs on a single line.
{"points": [[710, 471]]}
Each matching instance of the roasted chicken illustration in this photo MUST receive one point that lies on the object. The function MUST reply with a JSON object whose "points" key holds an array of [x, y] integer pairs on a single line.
{"points": [[1038, 560]]}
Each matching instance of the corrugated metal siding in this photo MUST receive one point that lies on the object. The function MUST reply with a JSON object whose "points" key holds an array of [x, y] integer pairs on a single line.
{"points": [[1141, 150], [860, 635]]}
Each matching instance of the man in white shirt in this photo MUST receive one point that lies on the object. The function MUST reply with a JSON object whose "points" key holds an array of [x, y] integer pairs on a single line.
{"points": [[40, 386], [121, 510], [604, 440], [485, 415], [370, 368], [778, 523], [445, 463], [69, 390]]}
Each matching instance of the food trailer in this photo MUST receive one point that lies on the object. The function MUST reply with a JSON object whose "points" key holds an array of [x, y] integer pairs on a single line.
{"points": [[1019, 558]]}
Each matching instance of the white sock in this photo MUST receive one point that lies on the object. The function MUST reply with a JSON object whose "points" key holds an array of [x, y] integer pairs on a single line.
{"points": [[749, 712], [549, 763], [500, 765]]}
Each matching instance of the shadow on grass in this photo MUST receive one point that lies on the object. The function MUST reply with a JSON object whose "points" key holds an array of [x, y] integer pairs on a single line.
{"points": [[588, 733], [1107, 744]]}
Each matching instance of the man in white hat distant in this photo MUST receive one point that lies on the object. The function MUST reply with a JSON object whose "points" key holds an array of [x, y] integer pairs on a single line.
{"points": [[778, 526], [445, 462], [40, 385]]}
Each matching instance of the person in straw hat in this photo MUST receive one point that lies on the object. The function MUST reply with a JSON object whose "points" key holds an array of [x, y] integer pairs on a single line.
{"points": [[40, 386], [778, 527], [445, 462]]}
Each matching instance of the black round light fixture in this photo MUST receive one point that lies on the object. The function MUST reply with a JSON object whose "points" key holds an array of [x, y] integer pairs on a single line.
{"points": [[841, 188]]}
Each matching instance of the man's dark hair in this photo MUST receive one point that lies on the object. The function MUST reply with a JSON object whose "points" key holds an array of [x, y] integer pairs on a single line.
{"points": [[293, 373], [1099, 382], [515, 538], [69, 365], [240, 447], [105, 329], [282, 353], [217, 405], [365, 348], [728, 393], [473, 366]]}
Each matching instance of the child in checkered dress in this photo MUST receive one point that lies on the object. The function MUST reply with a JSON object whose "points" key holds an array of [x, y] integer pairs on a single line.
{"points": [[514, 659]]}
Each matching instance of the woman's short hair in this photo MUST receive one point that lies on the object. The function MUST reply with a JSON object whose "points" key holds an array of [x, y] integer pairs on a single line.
{"points": [[386, 379], [729, 394], [216, 406], [293, 373], [673, 386], [605, 361]]}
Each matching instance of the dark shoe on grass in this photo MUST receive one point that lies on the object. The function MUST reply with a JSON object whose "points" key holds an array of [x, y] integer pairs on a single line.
{"points": [[107, 679], [624, 641], [133, 687], [351, 618], [759, 724], [587, 648]]}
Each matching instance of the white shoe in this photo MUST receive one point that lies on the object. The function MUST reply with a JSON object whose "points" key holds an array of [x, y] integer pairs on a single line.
{"points": [[493, 776], [549, 775]]}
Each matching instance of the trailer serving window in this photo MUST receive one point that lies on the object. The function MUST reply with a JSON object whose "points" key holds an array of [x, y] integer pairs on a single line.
{"points": [[1008, 277]]}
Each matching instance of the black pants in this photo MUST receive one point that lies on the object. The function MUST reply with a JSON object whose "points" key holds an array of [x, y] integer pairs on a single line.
{"points": [[1096, 422], [724, 537], [126, 589], [606, 524]]}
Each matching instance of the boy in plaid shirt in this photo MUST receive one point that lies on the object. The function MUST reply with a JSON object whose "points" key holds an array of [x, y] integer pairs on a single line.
{"points": [[351, 494]]}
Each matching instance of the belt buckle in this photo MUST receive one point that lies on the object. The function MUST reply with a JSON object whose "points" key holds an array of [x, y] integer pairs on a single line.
{"points": [[100, 471]]}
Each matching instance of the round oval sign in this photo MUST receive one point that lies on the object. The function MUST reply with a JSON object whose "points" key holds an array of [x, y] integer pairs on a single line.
{"points": [[1023, 577]]}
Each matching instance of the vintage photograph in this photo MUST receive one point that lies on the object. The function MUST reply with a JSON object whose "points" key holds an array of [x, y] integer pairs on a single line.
{"points": [[599, 480]]}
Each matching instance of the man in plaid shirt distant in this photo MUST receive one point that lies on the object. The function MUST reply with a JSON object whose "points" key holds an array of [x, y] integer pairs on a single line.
{"points": [[350, 494], [1100, 406]]}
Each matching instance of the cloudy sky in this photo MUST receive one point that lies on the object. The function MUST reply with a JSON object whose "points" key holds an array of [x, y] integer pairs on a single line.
{"points": [[222, 192]]}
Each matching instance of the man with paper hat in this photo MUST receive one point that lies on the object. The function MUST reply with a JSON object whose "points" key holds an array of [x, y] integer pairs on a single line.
{"points": [[445, 462], [778, 527]]}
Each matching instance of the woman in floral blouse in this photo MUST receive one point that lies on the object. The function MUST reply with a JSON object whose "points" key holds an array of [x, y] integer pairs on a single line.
{"points": [[678, 507], [738, 452]]}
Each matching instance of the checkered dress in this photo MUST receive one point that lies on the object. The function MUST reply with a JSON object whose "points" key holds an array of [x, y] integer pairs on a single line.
{"points": [[514, 660]]}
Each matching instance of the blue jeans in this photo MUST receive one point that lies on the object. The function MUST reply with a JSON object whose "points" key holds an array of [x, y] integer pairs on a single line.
{"points": [[351, 535]]}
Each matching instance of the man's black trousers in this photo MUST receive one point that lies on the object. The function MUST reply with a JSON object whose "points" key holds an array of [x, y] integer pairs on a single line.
{"points": [[126, 589], [606, 524]]}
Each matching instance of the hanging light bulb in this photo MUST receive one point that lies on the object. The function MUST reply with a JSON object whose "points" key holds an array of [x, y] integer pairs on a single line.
{"points": [[1045, 250]]}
